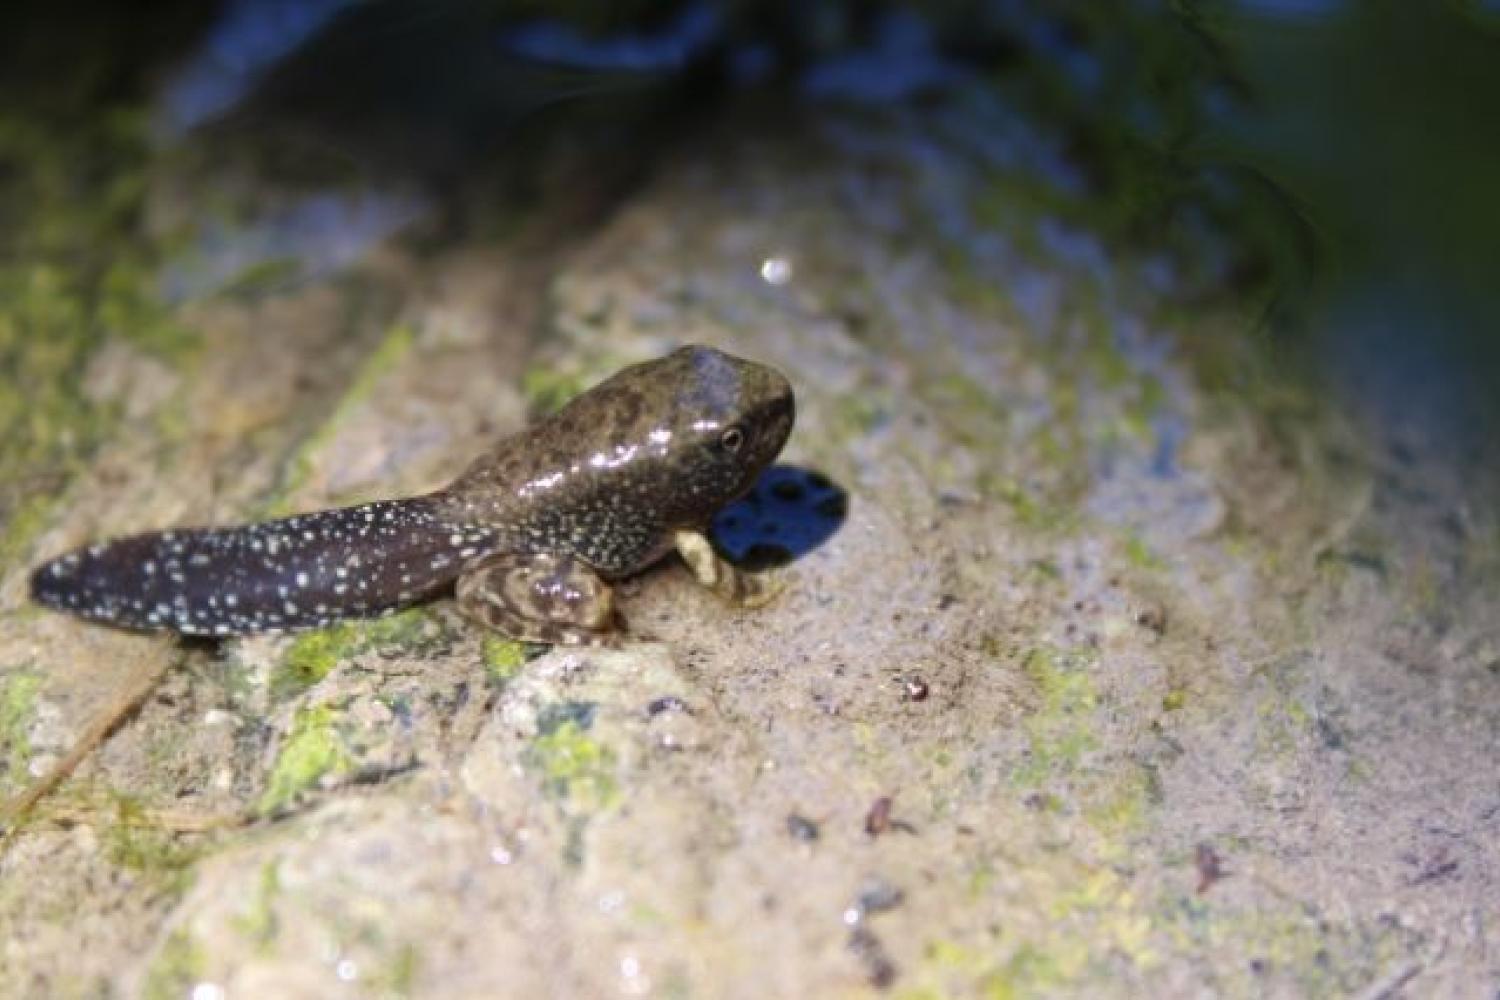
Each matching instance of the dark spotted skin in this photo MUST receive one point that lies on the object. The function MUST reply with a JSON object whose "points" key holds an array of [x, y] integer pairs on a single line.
{"points": [[532, 532]]}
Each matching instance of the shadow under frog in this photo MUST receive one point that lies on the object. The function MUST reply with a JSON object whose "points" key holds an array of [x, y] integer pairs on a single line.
{"points": [[531, 536]]}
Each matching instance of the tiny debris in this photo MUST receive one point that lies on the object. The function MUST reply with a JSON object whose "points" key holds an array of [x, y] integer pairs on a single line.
{"points": [[666, 703], [1438, 865], [876, 895], [800, 828], [1210, 866], [1153, 617], [914, 688], [880, 971], [878, 819]]}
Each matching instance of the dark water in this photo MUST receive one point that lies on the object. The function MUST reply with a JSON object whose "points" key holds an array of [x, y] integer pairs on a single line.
{"points": [[1344, 155], [1380, 125]]}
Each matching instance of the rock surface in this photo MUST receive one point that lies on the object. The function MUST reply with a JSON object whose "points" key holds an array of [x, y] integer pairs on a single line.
{"points": [[1118, 678]]}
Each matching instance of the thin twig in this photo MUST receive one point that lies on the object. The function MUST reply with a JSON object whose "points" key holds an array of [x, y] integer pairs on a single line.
{"points": [[130, 697], [167, 820]]}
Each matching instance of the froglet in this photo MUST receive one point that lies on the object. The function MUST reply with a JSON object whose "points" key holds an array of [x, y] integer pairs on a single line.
{"points": [[532, 534]]}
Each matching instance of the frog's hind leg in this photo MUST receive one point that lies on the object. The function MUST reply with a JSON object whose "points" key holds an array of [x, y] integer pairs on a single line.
{"points": [[539, 597]]}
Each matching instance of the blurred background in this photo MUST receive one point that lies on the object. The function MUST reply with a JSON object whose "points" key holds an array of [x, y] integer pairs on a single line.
{"points": [[1328, 167]]}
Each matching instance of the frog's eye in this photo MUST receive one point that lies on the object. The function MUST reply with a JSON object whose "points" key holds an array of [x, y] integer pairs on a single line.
{"points": [[732, 439]]}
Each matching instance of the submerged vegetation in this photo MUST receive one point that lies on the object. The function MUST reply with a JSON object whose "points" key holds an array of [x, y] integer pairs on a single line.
{"points": [[77, 263]]}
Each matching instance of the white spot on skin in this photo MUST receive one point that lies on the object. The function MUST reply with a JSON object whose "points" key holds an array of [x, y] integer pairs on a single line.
{"points": [[301, 579]]}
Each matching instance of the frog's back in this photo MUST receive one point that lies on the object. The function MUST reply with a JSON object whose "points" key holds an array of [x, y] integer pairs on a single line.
{"points": [[610, 476]]}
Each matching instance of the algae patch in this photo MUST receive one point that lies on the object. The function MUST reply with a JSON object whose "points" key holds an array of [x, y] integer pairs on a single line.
{"points": [[136, 844], [313, 749], [312, 656], [1091, 919], [546, 390], [503, 658], [18, 694], [258, 923], [1059, 730], [573, 766], [76, 269], [180, 964]]}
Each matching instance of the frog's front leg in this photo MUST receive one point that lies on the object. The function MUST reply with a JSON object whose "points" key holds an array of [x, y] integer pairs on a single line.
{"points": [[539, 597], [748, 590]]}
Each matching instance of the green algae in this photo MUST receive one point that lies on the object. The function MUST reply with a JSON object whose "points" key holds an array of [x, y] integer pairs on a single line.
{"points": [[77, 269], [179, 965], [135, 844], [262, 277], [1285, 945], [259, 923], [400, 976], [313, 749], [857, 414], [18, 696], [312, 656], [1092, 920], [1059, 731], [574, 767], [1139, 554], [504, 658], [547, 389]]}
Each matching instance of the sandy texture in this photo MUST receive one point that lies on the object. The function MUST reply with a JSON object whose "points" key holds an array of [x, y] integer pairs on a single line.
{"points": [[1176, 684]]}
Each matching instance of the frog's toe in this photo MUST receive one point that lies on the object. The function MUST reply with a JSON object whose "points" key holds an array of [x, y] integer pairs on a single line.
{"points": [[756, 590], [746, 590]]}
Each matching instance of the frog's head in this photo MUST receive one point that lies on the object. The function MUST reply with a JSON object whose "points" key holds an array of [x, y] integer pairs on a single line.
{"points": [[694, 428]]}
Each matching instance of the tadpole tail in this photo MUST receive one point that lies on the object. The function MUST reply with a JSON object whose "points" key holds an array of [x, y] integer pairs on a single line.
{"points": [[297, 572]]}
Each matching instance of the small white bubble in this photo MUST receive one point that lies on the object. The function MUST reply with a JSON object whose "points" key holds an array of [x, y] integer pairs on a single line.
{"points": [[208, 991], [635, 984], [347, 970], [501, 856], [776, 270]]}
